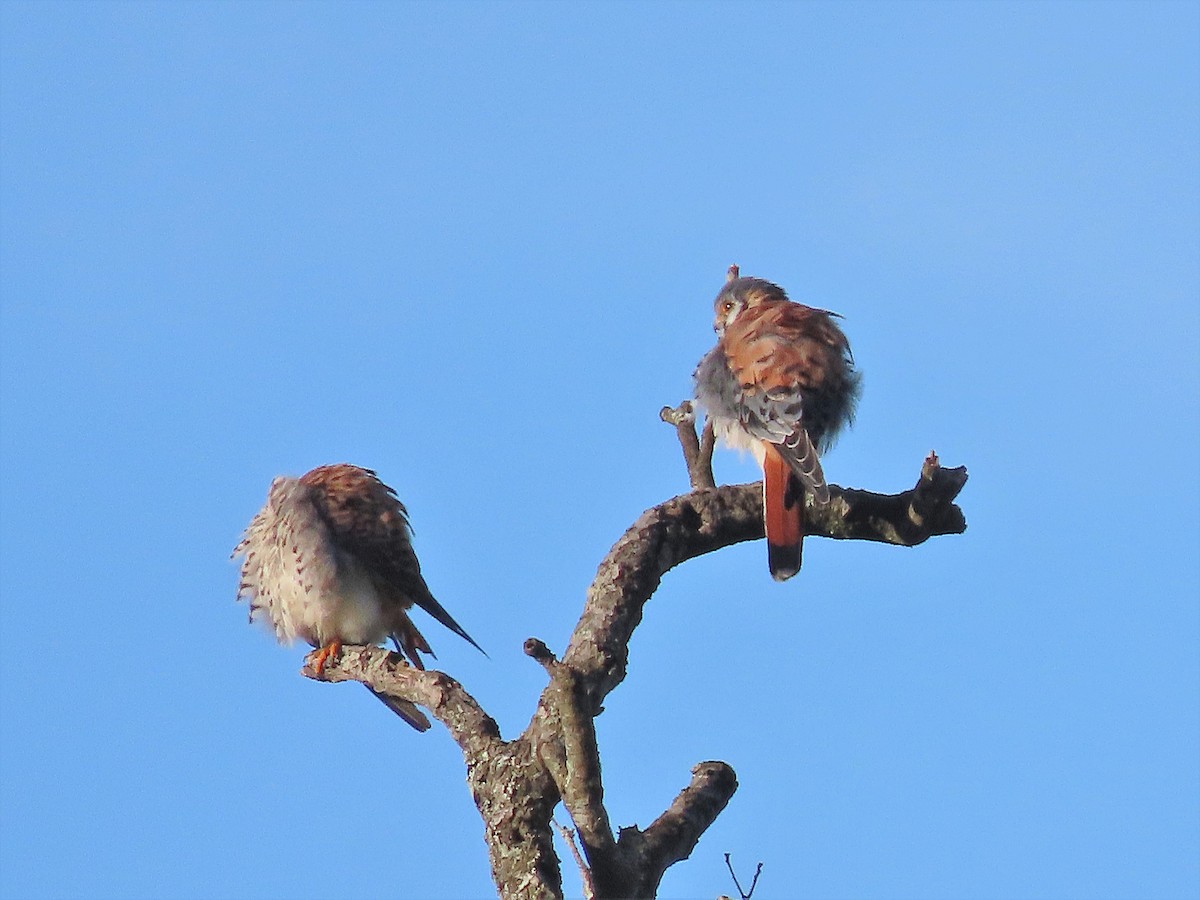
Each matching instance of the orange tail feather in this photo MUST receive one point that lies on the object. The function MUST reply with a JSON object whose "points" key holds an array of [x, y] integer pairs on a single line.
{"points": [[783, 516]]}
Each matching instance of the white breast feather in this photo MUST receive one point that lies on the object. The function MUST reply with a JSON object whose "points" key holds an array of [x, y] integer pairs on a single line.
{"points": [[735, 436]]}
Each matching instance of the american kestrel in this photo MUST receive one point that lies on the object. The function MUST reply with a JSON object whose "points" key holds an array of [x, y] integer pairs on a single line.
{"points": [[329, 560], [781, 383]]}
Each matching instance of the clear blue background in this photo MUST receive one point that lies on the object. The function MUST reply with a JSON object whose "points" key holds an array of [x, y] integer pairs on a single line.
{"points": [[474, 246]]}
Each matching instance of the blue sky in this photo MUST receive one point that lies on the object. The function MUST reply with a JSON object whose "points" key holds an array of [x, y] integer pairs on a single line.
{"points": [[473, 247]]}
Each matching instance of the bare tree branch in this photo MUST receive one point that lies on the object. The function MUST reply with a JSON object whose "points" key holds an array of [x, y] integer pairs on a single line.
{"points": [[388, 673], [517, 784], [673, 835], [513, 791], [569, 750], [706, 520], [697, 451]]}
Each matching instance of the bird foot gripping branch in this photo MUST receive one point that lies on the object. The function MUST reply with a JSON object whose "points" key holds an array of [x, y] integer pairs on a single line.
{"points": [[333, 648]]}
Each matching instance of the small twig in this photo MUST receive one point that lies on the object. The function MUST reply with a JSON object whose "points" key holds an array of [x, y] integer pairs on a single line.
{"points": [[697, 450], [585, 874], [731, 273], [746, 895]]}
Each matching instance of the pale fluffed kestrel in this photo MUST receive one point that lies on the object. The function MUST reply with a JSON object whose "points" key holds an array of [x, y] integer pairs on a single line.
{"points": [[329, 560], [780, 383]]}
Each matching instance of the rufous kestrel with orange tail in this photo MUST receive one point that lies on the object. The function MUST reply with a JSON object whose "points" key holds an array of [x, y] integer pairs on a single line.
{"points": [[780, 383], [329, 560]]}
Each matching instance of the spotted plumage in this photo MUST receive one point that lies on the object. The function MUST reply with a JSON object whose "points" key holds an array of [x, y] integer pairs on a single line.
{"points": [[329, 560], [781, 383]]}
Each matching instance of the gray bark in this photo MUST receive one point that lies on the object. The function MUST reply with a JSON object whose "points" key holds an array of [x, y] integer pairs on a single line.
{"points": [[517, 783]]}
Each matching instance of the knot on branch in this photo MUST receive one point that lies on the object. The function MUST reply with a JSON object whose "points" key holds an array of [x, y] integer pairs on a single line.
{"points": [[539, 652]]}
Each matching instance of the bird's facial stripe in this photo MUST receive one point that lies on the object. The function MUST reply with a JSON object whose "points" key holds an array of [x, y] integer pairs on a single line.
{"points": [[727, 309]]}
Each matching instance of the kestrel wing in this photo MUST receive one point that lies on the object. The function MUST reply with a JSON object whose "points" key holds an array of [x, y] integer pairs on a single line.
{"points": [[368, 520], [776, 366]]}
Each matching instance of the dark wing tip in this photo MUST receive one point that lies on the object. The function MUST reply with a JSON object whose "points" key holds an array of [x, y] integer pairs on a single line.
{"points": [[435, 609], [404, 709], [470, 640]]}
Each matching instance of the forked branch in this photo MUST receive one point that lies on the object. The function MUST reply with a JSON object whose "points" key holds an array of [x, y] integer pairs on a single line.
{"points": [[697, 450], [518, 783]]}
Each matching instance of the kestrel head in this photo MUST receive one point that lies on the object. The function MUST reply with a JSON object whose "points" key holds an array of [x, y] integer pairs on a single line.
{"points": [[741, 294]]}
